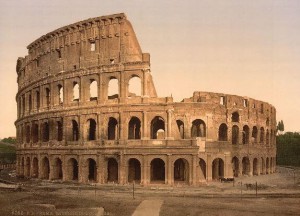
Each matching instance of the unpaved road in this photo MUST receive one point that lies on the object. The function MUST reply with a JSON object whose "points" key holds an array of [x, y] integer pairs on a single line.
{"points": [[278, 194]]}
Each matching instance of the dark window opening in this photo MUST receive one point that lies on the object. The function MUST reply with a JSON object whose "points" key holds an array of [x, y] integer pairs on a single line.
{"points": [[59, 131], [27, 134], [92, 129], [181, 170], [223, 130], [262, 135], [254, 134], [113, 132], [235, 166], [75, 131], [45, 132], [246, 166], [157, 170], [246, 132], [45, 168], [134, 128], [235, 135], [180, 126], [92, 170], [35, 133], [112, 170], [134, 170], [198, 128], [217, 169], [235, 117], [158, 128]]}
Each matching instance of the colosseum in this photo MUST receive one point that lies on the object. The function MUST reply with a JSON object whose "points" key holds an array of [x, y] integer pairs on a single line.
{"points": [[73, 126]]}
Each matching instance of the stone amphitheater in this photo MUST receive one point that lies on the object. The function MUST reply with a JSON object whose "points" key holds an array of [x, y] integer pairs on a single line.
{"points": [[73, 125]]}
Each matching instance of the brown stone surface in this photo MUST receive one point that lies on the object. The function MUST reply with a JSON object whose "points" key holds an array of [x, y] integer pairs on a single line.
{"points": [[71, 127]]}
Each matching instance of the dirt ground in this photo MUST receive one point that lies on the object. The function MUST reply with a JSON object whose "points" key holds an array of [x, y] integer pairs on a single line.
{"points": [[277, 194]]}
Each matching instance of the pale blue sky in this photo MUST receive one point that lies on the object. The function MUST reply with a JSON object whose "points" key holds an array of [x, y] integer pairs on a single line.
{"points": [[247, 48]]}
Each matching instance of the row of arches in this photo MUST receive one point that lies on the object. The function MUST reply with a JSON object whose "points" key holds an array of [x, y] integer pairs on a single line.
{"points": [[253, 136], [71, 170], [46, 130], [56, 95]]}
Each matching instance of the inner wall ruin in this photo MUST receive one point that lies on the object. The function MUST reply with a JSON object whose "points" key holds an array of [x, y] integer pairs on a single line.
{"points": [[72, 126]]}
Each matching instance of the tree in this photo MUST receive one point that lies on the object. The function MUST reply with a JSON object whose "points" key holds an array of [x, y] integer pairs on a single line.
{"points": [[280, 127]]}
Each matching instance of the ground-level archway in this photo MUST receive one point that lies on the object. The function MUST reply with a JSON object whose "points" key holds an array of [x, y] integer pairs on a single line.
{"points": [[157, 169], [255, 167], [112, 170], [57, 169], [235, 166], [246, 166], [262, 166], [217, 169], [35, 168], [134, 170], [45, 171], [181, 170], [72, 169], [92, 170]]}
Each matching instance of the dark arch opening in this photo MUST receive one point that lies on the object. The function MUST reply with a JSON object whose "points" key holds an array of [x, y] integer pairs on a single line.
{"points": [[235, 166], [246, 134], [255, 166], [217, 169], [112, 129], [202, 165], [57, 169], [73, 169], [254, 134], [158, 128], [59, 131], [45, 168], [35, 168], [112, 170], [262, 135], [198, 128], [246, 166], [134, 170], [134, 128], [180, 126], [35, 133], [92, 129], [75, 131], [181, 170], [92, 176], [223, 132], [46, 132], [235, 135], [235, 117], [157, 168]]}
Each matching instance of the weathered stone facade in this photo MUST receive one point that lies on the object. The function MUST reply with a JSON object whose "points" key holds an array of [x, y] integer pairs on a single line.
{"points": [[67, 131]]}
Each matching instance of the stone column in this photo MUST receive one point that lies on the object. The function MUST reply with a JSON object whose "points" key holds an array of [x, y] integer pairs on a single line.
{"points": [[145, 86], [209, 168], [145, 126], [122, 169], [100, 169], [169, 128], [145, 169], [195, 165], [169, 171]]}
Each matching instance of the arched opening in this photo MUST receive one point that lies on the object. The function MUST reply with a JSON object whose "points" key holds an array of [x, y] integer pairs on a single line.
{"points": [[267, 137], [235, 135], [57, 169], [112, 170], [202, 166], [72, 169], [113, 88], [134, 170], [134, 128], [246, 166], [235, 166], [75, 91], [48, 97], [27, 167], [254, 134], [92, 176], [235, 117], [91, 129], [35, 133], [75, 131], [45, 132], [246, 134], [134, 87], [181, 170], [263, 166], [59, 131], [217, 169], [180, 126], [198, 128], [35, 168], [223, 131], [60, 94], [267, 166], [157, 128], [255, 166], [157, 169], [27, 134], [93, 90], [113, 132], [30, 102], [22, 168], [45, 168], [37, 99], [262, 135]]}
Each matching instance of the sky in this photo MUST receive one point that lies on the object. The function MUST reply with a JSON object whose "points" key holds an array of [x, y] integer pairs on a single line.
{"points": [[246, 48]]}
